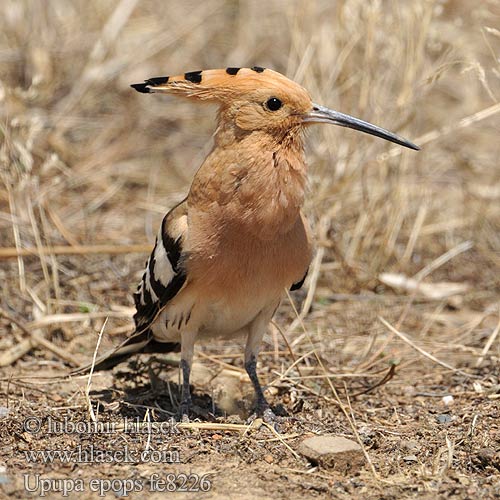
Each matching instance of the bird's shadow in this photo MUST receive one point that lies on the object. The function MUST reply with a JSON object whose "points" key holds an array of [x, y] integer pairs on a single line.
{"points": [[142, 387], [145, 389]]}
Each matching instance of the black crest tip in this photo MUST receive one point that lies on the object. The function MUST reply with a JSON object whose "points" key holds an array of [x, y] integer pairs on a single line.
{"points": [[193, 76], [141, 87], [257, 69], [157, 80]]}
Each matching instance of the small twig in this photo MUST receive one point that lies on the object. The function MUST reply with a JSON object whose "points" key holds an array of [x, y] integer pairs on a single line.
{"points": [[331, 375], [147, 418], [290, 349], [488, 344], [281, 440], [424, 353], [216, 427], [352, 423], [54, 217], [13, 252], [221, 363], [46, 379], [37, 338], [388, 376], [17, 351], [451, 448], [442, 259], [89, 380], [295, 364], [17, 240], [70, 317]]}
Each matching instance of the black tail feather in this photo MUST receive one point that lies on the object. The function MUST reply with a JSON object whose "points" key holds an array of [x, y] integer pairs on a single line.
{"points": [[142, 342]]}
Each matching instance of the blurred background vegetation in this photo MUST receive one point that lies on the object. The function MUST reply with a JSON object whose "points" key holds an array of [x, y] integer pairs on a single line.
{"points": [[86, 160]]}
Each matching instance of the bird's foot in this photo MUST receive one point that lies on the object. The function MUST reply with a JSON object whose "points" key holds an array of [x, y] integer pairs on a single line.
{"points": [[270, 417], [183, 412], [267, 415]]}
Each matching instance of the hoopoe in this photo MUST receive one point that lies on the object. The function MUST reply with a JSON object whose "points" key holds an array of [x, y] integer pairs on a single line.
{"points": [[225, 255]]}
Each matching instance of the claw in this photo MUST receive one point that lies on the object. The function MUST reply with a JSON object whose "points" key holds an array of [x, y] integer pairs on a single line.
{"points": [[183, 411], [269, 416]]}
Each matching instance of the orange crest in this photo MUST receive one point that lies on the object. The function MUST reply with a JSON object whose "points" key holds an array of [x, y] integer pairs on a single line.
{"points": [[223, 84]]}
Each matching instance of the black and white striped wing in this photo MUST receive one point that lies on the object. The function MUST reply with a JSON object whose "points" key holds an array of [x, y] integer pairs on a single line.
{"points": [[164, 275]]}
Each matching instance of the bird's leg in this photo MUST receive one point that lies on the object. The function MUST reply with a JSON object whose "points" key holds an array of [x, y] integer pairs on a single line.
{"points": [[186, 391], [187, 350], [262, 405], [254, 340]]}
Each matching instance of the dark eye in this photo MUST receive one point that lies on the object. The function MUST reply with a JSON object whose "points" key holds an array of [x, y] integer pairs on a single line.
{"points": [[273, 104]]}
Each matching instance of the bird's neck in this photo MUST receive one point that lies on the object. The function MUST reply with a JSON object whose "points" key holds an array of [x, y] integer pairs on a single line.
{"points": [[254, 182]]}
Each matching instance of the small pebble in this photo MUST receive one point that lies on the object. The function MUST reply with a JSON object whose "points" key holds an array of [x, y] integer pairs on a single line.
{"points": [[411, 445], [443, 419], [3, 475], [448, 400], [488, 457]]}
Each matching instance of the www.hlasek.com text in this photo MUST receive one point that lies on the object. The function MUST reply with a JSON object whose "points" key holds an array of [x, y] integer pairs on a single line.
{"points": [[89, 454]]}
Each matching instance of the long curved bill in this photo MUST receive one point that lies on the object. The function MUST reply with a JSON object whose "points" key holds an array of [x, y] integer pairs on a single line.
{"points": [[320, 114]]}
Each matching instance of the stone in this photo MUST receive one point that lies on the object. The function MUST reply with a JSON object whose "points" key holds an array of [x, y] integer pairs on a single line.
{"points": [[487, 457], [333, 452], [410, 445], [443, 418]]}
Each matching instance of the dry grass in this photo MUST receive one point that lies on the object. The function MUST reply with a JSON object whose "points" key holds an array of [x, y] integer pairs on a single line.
{"points": [[86, 162]]}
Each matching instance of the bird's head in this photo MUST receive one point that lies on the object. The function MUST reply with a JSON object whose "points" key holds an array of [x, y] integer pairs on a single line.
{"points": [[260, 99]]}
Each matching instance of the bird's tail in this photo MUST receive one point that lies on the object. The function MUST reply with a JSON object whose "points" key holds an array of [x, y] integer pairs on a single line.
{"points": [[139, 342]]}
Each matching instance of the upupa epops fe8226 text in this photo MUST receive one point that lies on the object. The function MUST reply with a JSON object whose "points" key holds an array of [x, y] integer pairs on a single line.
{"points": [[225, 255]]}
